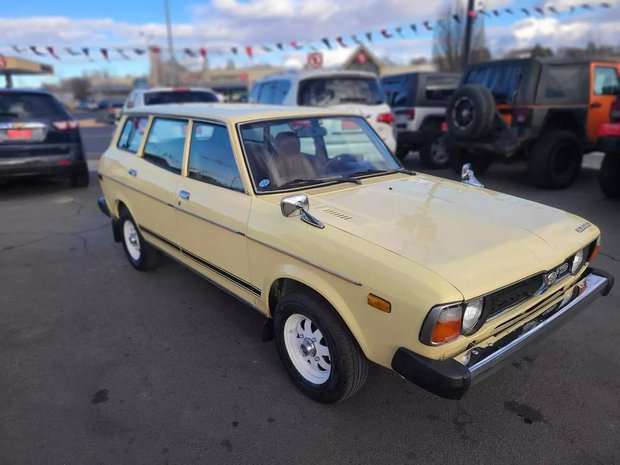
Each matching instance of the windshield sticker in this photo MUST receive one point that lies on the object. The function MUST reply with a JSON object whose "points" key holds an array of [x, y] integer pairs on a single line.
{"points": [[264, 183]]}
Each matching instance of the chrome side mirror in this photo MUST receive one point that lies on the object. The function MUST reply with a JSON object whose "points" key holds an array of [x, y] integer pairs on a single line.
{"points": [[468, 176], [294, 204]]}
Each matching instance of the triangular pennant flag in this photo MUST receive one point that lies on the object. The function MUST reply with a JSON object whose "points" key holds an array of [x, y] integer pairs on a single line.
{"points": [[456, 18], [355, 39], [234, 50], [526, 11], [325, 40], [139, 51], [553, 10], [51, 51], [572, 9], [72, 52], [249, 51], [484, 12], [189, 52], [386, 34], [427, 25], [295, 45], [585, 6], [280, 46], [122, 53], [508, 10], [496, 13], [399, 31], [540, 10], [104, 52], [86, 52], [341, 42], [35, 51], [414, 28], [266, 49], [154, 49], [18, 49], [369, 36], [606, 5], [203, 53]]}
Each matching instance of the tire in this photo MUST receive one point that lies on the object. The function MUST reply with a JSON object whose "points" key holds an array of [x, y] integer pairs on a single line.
{"points": [[434, 153], [330, 368], [609, 175], [402, 152], [470, 112], [80, 176], [554, 161], [480, 162], [140, 253]]}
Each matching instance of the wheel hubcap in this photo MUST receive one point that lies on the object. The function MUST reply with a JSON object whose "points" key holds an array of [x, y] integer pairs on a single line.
{"points": [[132, 242], [307, 348], [439, 152], [463, 113]]}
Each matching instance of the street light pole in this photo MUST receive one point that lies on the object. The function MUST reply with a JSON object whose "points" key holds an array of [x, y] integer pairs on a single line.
{"points": [[173, 63], [469, 23]]}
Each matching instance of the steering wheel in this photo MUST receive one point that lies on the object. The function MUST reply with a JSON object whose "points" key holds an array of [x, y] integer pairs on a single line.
{"points": [[338, 164]]}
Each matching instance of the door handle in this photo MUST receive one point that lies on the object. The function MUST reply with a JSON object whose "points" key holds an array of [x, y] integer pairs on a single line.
{"points": [[133, 172], [184, 195], [596, 105]]}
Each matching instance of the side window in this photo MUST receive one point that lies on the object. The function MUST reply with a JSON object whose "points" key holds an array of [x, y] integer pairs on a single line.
{"points": [[211, 157], [132, 133], [253, 97], [266, 93], [605, 80], [165, 143], [281, 89]]}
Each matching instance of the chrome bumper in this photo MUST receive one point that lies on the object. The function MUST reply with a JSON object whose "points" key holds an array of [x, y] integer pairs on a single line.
{"points": [[451, 379]]}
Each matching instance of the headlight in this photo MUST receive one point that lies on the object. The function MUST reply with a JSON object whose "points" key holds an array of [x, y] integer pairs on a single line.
{"points": [[472, 314], [578, 260]]}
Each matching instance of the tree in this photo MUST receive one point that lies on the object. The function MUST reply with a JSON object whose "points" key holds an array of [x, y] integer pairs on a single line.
{"points": [[79, 87], [449, 39], [541, 52]]}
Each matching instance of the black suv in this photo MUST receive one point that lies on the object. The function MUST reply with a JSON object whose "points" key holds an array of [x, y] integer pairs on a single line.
{"points": [[418, 101], [39, 137], [548, 111]]}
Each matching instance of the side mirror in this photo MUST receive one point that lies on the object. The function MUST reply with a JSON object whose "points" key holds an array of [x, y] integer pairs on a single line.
{"points": [[294, 204], [468, 176]]}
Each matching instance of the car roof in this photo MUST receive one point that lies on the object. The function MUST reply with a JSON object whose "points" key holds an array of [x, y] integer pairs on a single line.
{"points": [[234, 112], [421, 73], [545, 61], [317, 73]]}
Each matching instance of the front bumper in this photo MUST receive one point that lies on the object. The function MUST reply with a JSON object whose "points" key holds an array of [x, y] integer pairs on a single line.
{"points": [[451, 379]]}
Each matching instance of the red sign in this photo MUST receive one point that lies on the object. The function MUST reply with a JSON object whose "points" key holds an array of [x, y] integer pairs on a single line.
{"points": [[244, 76], [315, 60], [3, 63], [361, 58]]}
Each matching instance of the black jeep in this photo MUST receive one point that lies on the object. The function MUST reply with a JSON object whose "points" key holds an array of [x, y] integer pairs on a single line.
{"points": [[548, 111]]}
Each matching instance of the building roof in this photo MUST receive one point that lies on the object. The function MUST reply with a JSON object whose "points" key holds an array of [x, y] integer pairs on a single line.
{"points": [[234, 113]]}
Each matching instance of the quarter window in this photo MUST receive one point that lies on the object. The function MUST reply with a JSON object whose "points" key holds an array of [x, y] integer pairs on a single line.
{"points": [[605, 80], [165, 144], [211, 157], [132, 134]]}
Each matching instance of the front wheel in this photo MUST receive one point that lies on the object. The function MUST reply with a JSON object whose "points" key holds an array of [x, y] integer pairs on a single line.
{"points": [[317, 349], [609, 175]]}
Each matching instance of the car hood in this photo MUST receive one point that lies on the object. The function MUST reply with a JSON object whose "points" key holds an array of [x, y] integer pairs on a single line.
{"points": [[477, 239]]}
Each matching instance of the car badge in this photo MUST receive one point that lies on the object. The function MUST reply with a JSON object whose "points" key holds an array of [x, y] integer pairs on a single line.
{"points": [[582, 227], [563, 268], [550, 278]]}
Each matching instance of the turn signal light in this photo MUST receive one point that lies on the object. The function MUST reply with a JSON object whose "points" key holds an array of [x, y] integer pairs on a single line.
{"points": [[65, 125], [379, 303], [595, 250], [448, 325]]}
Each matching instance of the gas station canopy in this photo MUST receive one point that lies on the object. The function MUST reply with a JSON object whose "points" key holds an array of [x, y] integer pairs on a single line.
{"points": [[10, 66]]}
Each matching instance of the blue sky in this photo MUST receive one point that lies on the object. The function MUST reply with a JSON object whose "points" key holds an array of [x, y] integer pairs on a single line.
{"points": [[220, 24]]}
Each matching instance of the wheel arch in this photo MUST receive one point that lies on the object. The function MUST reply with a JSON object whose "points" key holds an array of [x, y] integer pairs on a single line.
{"points": [[565, 120]]}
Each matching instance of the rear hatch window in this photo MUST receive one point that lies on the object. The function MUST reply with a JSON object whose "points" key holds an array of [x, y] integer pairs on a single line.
{"points": [[330, 91], [178, 96], [25, 117]]}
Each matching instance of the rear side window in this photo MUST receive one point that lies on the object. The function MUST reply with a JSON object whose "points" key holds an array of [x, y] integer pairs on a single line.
{"points": [[328, 91], [440, 88], [501, 80], [165, 144], [211, 157], [564, 83], [179, 96], [132, 133], [30, 106], [398, 90], [253, 97], [605, 80]]}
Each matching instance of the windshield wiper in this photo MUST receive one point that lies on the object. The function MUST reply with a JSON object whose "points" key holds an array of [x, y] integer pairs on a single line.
{"points": [[378, 171], [300, 182]]}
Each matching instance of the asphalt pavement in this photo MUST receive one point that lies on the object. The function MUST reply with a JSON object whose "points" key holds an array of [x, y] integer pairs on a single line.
{"points": [[102, 364]]}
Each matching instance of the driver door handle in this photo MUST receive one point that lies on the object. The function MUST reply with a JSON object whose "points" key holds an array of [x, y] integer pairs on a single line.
{"points": [[184, 195]]}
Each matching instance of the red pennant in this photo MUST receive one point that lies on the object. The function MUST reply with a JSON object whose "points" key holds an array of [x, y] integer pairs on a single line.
{"points": [[51, 51], [295, 45], [386, 34], [104, 52], [428, 26], [340, 41], [471, 14], [154, 49], [249, 51], [203, 53]]}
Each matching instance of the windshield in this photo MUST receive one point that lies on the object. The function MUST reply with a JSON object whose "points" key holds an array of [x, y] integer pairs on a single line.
{"points": [[329, 91], [179, 96], [284, 154], [29, 105], [500, 79]]}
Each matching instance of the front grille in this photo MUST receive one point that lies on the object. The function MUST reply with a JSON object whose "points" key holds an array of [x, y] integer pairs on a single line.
{"points": [[512, 295]]}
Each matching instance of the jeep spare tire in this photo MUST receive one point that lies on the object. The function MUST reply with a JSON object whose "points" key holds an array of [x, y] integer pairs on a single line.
{"points": [[470, 112]]}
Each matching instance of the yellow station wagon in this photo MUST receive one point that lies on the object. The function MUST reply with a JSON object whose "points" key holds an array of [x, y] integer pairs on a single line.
{"points": [[307, 217]]}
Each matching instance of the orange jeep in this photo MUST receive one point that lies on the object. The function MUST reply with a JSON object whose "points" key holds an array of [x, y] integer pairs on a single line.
{"points": [[546, 110]]}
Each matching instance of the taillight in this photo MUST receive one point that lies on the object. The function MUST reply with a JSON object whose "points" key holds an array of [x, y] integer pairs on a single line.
{"points": [[387, 118], [443, 127], [66, 125], [523, 115], [410, 112], [614, 115]]}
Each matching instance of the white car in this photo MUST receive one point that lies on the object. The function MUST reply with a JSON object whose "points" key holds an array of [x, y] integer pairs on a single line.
{"points": [[165, 95], [352, 91]]}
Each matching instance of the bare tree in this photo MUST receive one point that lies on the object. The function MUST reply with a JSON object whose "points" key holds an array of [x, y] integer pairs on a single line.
{"points": [[449, 38], [79, 86]]}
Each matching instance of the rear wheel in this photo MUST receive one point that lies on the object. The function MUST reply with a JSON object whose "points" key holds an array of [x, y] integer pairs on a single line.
{"points": [[140, 253], [434, 153], [609, 175], [317, 349], [555, 160]]}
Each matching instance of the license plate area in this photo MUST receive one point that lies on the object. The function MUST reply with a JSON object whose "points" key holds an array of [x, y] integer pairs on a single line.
{"points": [[19, 134]]}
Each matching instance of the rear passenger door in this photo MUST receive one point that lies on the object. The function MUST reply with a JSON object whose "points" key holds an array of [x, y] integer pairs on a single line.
{"points": [[213, 211], [156, 178], [604, 84]]}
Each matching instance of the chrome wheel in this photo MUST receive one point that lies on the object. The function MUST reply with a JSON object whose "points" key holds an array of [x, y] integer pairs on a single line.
{"points": [[307, 348], [439, 151], [132, 240]]}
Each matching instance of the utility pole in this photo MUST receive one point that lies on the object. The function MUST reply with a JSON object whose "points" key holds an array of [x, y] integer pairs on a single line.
{"points": [[469, 23], [173, 62]]}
